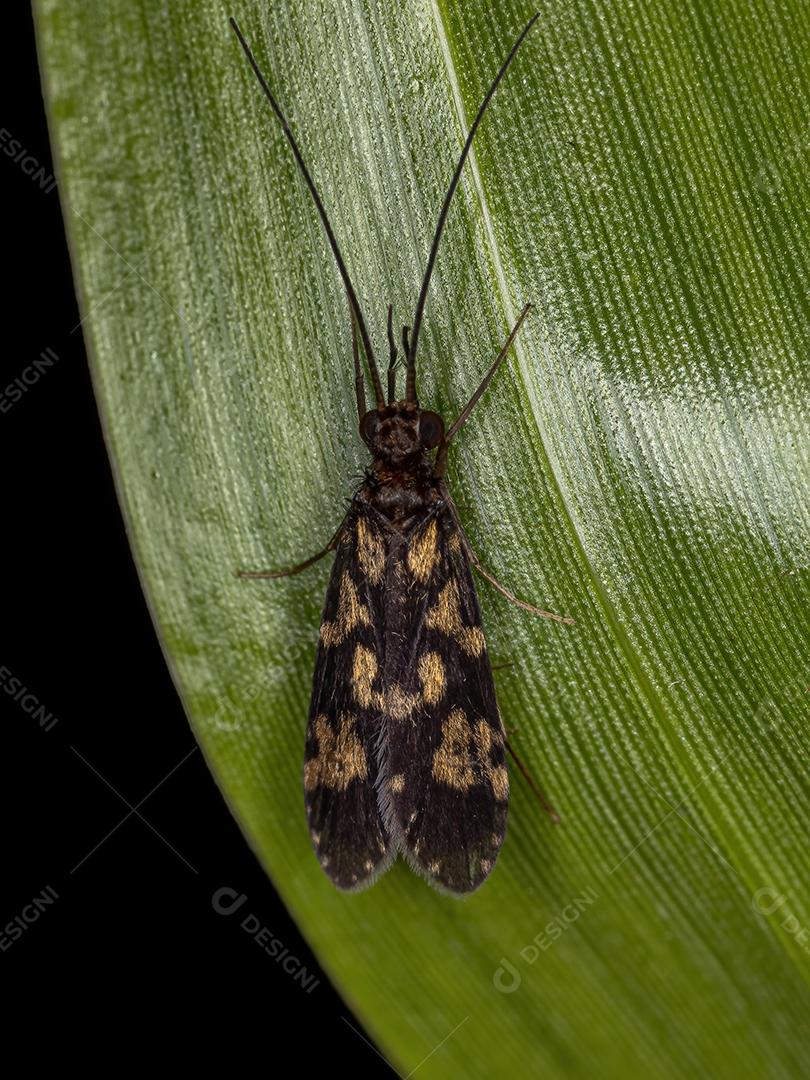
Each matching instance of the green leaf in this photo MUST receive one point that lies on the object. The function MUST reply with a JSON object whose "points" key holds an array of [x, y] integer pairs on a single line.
{"points": [[642, 465]]}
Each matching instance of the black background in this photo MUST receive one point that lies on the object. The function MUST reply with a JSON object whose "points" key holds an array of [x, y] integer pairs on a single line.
{"points": [[132, 957]]}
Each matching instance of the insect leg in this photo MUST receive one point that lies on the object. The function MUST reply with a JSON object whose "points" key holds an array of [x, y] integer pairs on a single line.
{"points": [[476, 562], [536, 791], [290, 571]]}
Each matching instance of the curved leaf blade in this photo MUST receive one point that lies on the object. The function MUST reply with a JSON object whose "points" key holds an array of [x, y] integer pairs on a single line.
{"points": [[641, 465]]}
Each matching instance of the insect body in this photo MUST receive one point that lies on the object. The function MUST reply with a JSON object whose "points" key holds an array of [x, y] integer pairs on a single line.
{"points": [[405, 749]]}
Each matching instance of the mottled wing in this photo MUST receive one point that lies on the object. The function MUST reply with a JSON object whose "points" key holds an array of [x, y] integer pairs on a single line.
{"points": [[445, 787], [348, 833]]}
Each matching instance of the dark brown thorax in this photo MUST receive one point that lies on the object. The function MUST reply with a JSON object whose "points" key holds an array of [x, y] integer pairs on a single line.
{"points": [[400, 481]]}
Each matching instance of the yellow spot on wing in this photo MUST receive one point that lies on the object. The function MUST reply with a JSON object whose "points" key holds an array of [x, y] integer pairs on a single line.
{"points": [[471, 639], [423, 552], [340, 758], [351, 612], [452, 762], [445, 615], [394, 701], [485, 738], [499, 778], [370, 552], [432, 677], [364, 672], [398, 703], [398, 783]]}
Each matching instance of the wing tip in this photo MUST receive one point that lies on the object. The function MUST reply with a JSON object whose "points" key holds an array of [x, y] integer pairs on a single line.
{"points": [[448, 882], [356, 883]]}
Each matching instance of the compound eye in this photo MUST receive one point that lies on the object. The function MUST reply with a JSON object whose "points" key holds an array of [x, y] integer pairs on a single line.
{"points": [[369, 425], [431, 429]]}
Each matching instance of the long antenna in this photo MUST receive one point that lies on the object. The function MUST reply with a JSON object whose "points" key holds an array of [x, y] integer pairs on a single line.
{"points": [[410, 382], [344, 273]]}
